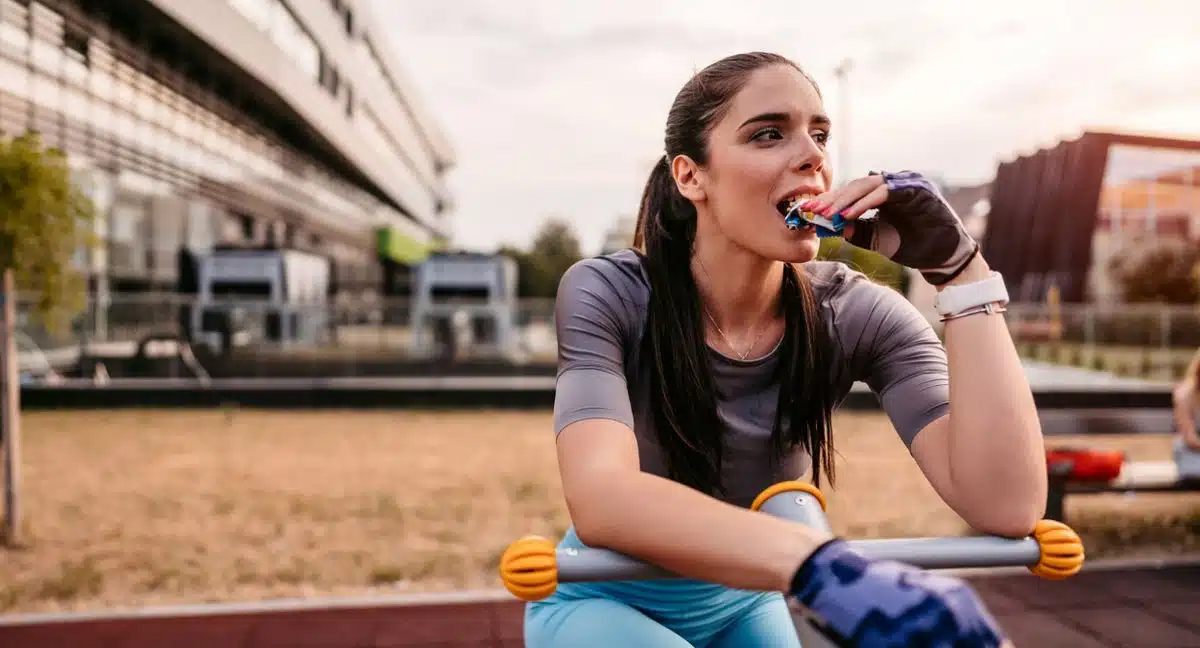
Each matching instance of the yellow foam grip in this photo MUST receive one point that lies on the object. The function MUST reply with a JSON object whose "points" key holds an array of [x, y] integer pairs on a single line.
{"points": [[529, 568], [788, 486], [1062, 550]]}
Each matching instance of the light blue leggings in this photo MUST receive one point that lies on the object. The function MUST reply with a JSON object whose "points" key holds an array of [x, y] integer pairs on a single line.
{"points": [[675, 613]]}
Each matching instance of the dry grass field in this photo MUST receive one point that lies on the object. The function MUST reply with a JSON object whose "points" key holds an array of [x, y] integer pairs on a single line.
{"points": [[145, 507]]}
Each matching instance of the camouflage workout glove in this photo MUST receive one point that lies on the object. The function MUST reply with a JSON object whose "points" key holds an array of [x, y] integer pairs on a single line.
{"points": [[916, 227], [877, 604]]}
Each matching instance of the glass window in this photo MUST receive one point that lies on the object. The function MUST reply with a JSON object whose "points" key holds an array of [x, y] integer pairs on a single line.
{"points": [[125, 223]]}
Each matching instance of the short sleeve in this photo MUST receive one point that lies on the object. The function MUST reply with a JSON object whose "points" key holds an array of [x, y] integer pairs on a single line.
{"points": [[594, 316], [897, 354]]}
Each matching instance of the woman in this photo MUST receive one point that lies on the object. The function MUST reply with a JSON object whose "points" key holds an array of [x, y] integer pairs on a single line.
{"points": [[700, 370], [1186, 400]]}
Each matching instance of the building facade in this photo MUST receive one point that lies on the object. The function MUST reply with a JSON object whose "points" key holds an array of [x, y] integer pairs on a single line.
{"points": [[1057, 217], [252, 123]]}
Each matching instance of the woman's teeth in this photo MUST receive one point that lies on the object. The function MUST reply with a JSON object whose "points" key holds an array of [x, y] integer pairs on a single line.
{"points": [[795, 219], [788, 205]]}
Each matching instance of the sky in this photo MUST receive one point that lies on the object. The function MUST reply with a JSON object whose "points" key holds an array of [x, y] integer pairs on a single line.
{"points": [[556, 108]]}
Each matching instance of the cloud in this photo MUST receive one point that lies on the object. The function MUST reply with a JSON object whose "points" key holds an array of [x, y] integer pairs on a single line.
{"points": [[558, 107]]}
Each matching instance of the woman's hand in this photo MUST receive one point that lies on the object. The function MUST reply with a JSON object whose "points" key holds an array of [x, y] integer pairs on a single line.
{"points": [[914, 226], [879, 603]]}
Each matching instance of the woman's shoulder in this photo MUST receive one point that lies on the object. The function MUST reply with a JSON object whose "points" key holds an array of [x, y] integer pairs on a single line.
{"points": [[619, 272], [615, 281]]}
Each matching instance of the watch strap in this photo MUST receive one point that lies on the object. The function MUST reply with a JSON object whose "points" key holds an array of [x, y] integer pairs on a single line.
{"points": [[955, 299]]}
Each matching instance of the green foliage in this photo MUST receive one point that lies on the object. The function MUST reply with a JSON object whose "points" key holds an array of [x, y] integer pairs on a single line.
{"points": [[44, 219], [1166, 272], [875, 266], [539, 269]]}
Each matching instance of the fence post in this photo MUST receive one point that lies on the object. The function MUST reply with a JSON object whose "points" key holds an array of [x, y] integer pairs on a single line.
{"points": [[10, 394]]}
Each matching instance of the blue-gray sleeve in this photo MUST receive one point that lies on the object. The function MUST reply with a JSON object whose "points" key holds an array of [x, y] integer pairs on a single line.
{"points": [[897, 354], [593, 322]]}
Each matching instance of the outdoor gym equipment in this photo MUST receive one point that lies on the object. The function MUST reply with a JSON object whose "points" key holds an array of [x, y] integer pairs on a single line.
{"points": [[532, 566]]}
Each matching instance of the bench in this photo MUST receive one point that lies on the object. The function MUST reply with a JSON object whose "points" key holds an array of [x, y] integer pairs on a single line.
{"points": [[1134, 477]]}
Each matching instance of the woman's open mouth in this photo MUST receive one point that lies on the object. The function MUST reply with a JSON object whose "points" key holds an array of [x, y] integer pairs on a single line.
{"points": [[793, 217]]}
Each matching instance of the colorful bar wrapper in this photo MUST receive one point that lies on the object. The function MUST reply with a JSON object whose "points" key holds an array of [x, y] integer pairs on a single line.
{"points": [[826, 227]]}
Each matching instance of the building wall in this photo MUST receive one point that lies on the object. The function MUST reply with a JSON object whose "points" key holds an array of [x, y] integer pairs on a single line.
{"points": [[178, 154], [332, 71], [1060, 215]]}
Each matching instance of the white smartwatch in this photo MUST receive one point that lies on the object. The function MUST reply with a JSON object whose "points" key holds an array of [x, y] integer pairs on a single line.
{"points": [[985, 296]]}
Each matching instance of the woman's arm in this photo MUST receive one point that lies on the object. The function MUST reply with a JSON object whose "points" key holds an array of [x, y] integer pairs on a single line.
{"points": [[1183, 401], [614, 505], [986, 458]]}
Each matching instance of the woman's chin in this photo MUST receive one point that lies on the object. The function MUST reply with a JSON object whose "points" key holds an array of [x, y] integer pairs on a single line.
{"points": [[798, 250]]}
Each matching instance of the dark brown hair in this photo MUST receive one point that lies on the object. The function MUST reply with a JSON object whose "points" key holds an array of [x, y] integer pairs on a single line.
{"points": [[684, 401]]}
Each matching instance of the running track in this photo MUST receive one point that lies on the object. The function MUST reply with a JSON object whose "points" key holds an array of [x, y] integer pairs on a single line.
{"points": [[1147, 605]]}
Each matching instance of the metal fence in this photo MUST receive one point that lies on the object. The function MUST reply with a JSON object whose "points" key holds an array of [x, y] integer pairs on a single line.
{"points": [[363, 332], [1111, 325], [351, 332]]}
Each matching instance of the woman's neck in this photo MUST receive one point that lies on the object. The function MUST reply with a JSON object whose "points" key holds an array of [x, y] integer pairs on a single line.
{"points": [[739, 289]]}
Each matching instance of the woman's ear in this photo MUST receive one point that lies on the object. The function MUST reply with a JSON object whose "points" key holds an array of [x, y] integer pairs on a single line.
{"points": [[689, 178]]}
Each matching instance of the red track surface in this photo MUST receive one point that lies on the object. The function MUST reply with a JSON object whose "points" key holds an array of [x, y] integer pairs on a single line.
{"points": [[1146, 607]]}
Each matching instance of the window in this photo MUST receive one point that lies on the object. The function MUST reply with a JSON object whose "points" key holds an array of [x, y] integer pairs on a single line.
{"points": [[328, 76], [76, 43]]}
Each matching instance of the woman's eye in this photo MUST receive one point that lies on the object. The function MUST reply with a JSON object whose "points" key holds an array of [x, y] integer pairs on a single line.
{"points": [[821, 137], [767, 133]]}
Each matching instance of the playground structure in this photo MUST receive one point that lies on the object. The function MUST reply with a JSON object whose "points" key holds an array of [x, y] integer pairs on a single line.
{"points": [[532, 567], [463, 306], [273, 297]]}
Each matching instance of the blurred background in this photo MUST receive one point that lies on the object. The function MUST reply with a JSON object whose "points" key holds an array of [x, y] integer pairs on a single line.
{"points": [[374, 188], [389, 180]]}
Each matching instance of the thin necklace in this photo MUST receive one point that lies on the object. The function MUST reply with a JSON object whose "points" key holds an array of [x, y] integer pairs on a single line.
{"points": [[746, 353], [728, 342]]}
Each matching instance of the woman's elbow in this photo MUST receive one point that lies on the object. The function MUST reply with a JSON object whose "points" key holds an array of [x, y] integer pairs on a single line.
{"points": [[1014, 520], [593, 516]]}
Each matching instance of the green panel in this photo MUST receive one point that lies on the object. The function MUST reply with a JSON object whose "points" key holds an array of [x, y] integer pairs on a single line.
{"points": [[396, 246]]}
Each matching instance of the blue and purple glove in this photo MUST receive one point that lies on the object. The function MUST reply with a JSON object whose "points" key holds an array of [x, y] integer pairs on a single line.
{"points": [[885, 604]]}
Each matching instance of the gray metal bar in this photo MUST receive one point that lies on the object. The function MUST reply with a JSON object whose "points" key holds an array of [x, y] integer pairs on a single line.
{"points": [[581, 565], [799, 506], [576, 565], [953, 553]]}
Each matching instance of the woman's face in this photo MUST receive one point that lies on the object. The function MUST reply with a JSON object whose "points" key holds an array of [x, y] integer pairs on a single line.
{"points": [[769, 147]]}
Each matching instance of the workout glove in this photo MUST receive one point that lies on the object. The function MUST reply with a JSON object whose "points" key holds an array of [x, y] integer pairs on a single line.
{"points": [[878, 604], [916, 227]]}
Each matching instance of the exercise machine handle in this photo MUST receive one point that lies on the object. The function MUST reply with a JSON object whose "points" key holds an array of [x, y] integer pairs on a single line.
{"points": [[532, 567]]}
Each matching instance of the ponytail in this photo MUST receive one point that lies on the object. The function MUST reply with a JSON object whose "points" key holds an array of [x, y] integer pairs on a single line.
{"points": [[684, 399]]}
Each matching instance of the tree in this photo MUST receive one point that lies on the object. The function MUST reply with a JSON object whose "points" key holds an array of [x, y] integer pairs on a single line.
{"points": [[1167, 272], [539, 269], [46, 220]]}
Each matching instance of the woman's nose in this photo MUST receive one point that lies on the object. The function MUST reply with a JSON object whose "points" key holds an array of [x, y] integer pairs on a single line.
{"points": [[808, 156]]}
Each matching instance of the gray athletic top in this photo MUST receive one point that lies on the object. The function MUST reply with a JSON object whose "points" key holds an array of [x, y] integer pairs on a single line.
{"points": [[879, 338]]}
